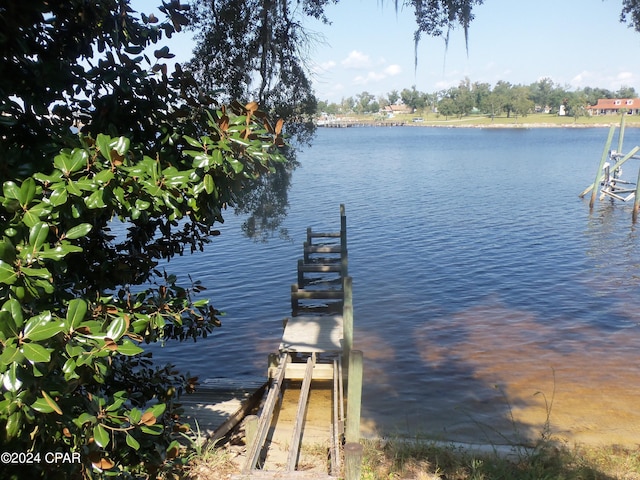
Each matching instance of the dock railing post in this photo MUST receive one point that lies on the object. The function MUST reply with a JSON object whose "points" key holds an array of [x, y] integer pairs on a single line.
{"points": [[354, 397], [636, 200], [353, 448], [347, 317], [605, 154]]}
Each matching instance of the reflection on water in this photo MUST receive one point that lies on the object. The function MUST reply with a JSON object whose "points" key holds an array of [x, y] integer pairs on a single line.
{"points": [[484, 290]]}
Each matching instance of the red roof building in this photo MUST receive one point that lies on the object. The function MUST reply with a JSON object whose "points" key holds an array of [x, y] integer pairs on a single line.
{"points": [[615, 106]]}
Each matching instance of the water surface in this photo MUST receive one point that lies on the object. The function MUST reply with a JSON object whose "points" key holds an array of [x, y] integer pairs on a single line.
{"points": [[488, 299]]}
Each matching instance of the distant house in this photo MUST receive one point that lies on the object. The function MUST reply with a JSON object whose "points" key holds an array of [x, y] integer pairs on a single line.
{"points": [[397, 108], [613, 106]]}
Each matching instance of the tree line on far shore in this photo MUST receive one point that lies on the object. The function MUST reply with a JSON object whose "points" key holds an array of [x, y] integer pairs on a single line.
{"points": [[479, 97]]}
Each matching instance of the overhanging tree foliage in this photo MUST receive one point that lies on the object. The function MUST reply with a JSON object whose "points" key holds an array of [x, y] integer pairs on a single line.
{"points": [[76, 301]]}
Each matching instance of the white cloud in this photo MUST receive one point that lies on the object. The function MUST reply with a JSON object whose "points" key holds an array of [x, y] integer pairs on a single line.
{"points": [[356, 59], [624, 76], [393, 70]]}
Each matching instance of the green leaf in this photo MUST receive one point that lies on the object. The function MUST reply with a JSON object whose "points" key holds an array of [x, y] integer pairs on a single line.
{"points": [[10, 380], [101, 436], [14, 423], [8, 275], [7, 250], [193, 142], [11, 190], [152, 429], [35, 352], [15, 310], [103, 142], [78, 231], [132, 442], [120, 145], [42, 327], [58, 197], [76, 312], [59, 252], [209, 185], [129, 348], [11, 355], [41, 273], [38, 235], [95, 200], [117, 328], [69, 162], [134, 416], [27, 191]]}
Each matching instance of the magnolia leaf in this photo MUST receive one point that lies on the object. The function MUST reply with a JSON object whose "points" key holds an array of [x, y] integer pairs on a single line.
{"points": [[132, 442], [42, 327], [104, 145], [117, 328], [78, 231], [38, 235], [51, 402], [11, 190], [10, 380], [14, 423], [76, 313], [129, 348], [15, 309], [101, 436], [34, 352], [27, 191], [8, 275]]}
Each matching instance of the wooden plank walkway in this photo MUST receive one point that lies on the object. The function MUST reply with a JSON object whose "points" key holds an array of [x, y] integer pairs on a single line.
{"points": [[316, 340]]}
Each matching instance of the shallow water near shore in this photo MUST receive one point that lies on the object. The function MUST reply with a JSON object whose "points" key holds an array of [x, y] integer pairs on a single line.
{"points": [[489, 302]]}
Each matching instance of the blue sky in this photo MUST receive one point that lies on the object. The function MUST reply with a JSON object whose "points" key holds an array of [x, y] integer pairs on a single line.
{"points": [[368, 47], [574, 42]]}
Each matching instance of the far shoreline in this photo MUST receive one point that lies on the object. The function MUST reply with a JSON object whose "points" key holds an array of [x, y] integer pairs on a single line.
{"points": [[528, 122]]}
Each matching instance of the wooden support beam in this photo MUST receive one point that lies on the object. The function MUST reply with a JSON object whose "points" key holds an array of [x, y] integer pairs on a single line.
{"points": [[354, 397], [308, 249], [296, 371], [253, 452], [296, 435], [317, 294], [605, 154], [636, 201]]}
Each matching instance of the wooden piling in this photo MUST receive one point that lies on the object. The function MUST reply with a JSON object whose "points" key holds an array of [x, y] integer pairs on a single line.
{"points": [[636, 200], [603, 159], [250, 429], [353, 453], [354, 397], [347, 316]]}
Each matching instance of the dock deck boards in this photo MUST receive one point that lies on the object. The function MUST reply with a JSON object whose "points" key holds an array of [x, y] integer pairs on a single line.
{"points": [[318, 333]]}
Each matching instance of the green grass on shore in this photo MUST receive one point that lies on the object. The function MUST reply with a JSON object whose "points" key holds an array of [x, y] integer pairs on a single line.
{"points": [[533, 120]]}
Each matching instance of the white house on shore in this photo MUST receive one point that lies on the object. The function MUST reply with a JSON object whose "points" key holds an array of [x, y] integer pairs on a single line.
{"points": [[614, 106]]}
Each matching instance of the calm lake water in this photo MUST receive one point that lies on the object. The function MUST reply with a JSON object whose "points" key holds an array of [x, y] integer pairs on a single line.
{"points": [[487, 298]]}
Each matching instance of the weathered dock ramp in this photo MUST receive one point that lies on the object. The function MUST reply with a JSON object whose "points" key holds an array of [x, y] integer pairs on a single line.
{"points": [[305, 403]]}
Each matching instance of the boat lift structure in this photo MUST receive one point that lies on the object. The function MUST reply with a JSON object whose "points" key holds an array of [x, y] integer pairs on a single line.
{"points": [[609, 174]]}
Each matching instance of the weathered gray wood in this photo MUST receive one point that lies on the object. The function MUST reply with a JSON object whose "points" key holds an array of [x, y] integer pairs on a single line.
{"points": [[254, 449], [301, 294], [250, 429], [320, 333], [347, 313], [319, 267], [296, 435], [323, 249], [636, 201], [246, 406], [354, 397], [295, 371], [296, 475], [353, 453], [605, 153], [335, 427]]}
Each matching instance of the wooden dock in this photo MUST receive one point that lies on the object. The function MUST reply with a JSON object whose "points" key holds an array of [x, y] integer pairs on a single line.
{"points": [[314, 365]]}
